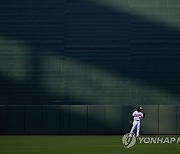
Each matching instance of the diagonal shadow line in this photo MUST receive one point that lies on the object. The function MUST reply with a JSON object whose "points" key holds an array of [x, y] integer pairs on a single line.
{"points": [[148, 53]]}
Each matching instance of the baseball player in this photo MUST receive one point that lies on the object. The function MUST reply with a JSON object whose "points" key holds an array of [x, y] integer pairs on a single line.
{"points": [[136, 118]]}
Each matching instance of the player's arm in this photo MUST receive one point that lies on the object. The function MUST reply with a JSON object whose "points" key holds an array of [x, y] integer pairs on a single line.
{"points": [[143, 114]]}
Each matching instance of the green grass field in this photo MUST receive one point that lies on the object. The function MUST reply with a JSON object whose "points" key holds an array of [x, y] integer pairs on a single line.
{"points": [[79, 145]]}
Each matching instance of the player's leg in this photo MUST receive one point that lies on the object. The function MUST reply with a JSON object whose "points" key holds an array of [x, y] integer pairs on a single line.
{"points": [[133, 128], [138, 129]]}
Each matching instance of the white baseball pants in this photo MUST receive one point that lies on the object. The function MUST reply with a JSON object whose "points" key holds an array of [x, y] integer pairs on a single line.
{"points": [[136, 124]]}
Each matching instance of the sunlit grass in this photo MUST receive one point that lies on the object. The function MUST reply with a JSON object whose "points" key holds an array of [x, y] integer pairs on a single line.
{"points": [[78, 144]]}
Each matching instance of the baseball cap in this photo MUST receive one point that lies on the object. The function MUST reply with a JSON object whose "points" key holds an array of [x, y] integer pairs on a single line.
{"points": [[140, 108]]}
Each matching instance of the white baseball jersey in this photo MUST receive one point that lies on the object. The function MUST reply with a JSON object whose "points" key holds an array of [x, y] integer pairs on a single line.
{"points": [[137, 115]]}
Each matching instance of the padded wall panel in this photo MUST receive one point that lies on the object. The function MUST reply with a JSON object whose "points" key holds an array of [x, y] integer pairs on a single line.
{"points": [[96, 119], [114, 119], [178, 119], [16, 120], [65, 117], [51, 119], [167, 119], [33, 119], [78, 119], [3, 119]]}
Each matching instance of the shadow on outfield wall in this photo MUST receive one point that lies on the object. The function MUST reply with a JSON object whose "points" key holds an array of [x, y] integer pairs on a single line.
{"points": [[121, 46]]}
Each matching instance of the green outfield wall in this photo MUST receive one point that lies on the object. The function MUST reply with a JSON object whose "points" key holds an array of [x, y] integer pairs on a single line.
{"points": [[85, 119]]}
